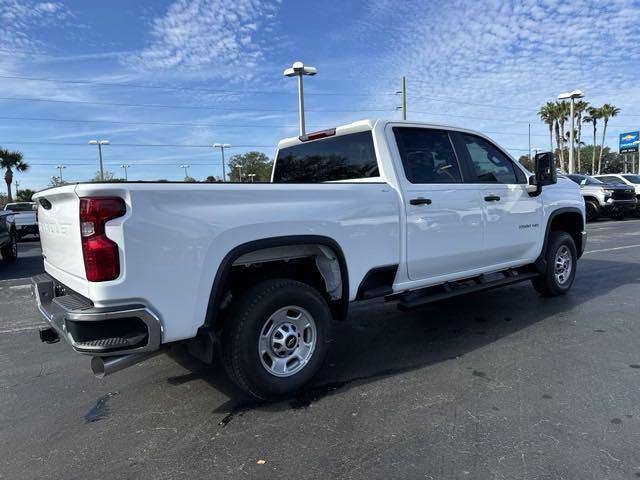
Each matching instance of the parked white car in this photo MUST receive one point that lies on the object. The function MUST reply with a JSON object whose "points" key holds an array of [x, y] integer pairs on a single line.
{"points": [[25, 217], [407, 211]]}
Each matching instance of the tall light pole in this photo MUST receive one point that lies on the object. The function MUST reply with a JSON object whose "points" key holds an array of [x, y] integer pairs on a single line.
{"points": [[251, 176], [60, 167], [239, 167], [186, 167], [403, 95], [572, 96], [298, 69], [126, 177], [100, 143], [222, 146]]}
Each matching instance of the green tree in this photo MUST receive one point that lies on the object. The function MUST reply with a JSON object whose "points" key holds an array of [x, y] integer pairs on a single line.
{"points": [[579, 108], [212, 179], [107, 177], [24, 195], [528, 163], [593, 114], [547, 115], [607, 111], [189, 179], [242, 166], [10, 161], [562, 114]]}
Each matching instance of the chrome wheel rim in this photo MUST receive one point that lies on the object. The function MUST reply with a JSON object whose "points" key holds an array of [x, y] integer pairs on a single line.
{"points": [[287, 341], [563, 265]]}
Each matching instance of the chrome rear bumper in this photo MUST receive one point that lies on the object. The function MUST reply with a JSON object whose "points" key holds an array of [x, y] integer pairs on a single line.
{"points": [[125, 329]]}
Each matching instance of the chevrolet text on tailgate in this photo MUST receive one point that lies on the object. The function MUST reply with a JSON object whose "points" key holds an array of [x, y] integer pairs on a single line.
{"points": [[255, 274]]}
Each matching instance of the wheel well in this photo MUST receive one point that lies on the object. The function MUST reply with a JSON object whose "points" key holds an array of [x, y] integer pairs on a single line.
{"points": [[320, 264], [570, 222], [592, 199]]}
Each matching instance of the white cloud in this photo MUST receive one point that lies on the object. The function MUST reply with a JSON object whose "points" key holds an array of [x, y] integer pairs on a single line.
{"points": [[222, 35], [18, 19], [508, 53]]}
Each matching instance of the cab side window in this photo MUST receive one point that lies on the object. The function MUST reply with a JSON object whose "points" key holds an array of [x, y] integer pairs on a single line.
{"points": [[489, 164], [427, 155]]}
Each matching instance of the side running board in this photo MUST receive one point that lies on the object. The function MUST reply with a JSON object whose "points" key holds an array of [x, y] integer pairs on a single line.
{"points": [[424, 296]]}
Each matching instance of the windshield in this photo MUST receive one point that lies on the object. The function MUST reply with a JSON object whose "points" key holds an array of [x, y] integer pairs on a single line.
{"points": [[19, 207], [585, 180], [633, 178]]}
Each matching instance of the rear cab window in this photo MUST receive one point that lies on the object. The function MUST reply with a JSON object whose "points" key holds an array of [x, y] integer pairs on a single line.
{"points": [[427, 155], [345, 157]]}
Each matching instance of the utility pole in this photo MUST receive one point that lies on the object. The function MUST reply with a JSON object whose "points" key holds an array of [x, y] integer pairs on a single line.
{"points": [[126, 177], [530, 144], [404, 97], [100, 143], [298, 69], [222, 146], [60, 167]]}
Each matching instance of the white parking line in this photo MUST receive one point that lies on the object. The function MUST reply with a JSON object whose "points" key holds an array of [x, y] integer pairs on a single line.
{"points": [[21, 329], [611, 249]]}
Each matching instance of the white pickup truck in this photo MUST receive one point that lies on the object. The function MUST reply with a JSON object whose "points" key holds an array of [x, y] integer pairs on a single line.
{"points": [[255, 273]]}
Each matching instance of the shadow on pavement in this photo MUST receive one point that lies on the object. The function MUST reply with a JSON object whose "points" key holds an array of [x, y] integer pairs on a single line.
{"points": [[378, 341]]}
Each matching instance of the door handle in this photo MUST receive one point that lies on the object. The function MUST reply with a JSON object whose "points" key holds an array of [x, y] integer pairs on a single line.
{"points": [[420, 201], [492, 198]]}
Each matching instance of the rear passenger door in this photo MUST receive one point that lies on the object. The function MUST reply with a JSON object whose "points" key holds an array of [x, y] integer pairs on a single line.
{"points": [[512, 217], [443, 215]]}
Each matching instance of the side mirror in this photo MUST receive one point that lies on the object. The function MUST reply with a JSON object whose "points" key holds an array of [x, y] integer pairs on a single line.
{"points": [[545, 169]]}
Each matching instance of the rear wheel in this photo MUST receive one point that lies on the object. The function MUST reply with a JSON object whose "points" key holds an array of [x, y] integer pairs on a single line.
{"points": [[561, 257], [275, 338], [592, 210], [10, 251]]}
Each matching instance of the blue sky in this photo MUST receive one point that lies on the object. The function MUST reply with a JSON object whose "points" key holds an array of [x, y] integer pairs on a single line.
{"points": [[216, 71]]}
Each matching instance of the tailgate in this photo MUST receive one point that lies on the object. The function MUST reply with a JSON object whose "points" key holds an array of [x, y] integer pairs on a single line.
{"points": [[59, 224]]}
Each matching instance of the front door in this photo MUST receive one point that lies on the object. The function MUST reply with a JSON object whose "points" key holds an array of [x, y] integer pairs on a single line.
{"points": [[513, 226]]}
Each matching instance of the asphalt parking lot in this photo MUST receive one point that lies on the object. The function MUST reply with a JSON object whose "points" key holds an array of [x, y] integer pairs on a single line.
{"points": [[501, 384]]}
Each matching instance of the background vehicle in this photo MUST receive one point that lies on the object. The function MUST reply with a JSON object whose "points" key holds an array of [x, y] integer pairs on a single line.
{"points": [[8, 237], [25, 217], [255, 272], [630, 179], [608, 199]]}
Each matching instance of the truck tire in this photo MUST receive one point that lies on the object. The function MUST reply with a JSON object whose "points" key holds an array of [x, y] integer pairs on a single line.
{"points": [[10, 251], [592, 210], [275, 338], [561, 257]]}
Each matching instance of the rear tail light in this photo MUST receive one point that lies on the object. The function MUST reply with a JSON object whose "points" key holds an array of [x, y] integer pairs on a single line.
{"points": [[101, 259]]}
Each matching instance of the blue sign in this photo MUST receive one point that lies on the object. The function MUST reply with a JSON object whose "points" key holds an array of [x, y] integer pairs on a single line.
{"points": [[627, 142]]}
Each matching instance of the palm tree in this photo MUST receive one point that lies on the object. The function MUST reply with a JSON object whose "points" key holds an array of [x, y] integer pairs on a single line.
{"points": [[562, 113], [593, 114], [607, 111], [547, 115], [579, 108], [10, 161]]}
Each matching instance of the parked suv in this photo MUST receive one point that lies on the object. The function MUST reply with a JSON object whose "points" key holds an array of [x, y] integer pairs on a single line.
{"points": [[611, 200], [630, 179]]}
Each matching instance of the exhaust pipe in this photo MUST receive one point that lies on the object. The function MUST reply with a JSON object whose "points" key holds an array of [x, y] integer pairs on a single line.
{"points": [[103, 366]]}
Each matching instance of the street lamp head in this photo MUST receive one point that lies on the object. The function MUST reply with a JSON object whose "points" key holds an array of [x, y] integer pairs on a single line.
{"points": [[221, 145], [298, 68], [104, 142], [125, 166], [93, 142], [100, 142], [185, 166], [571, 95]]}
